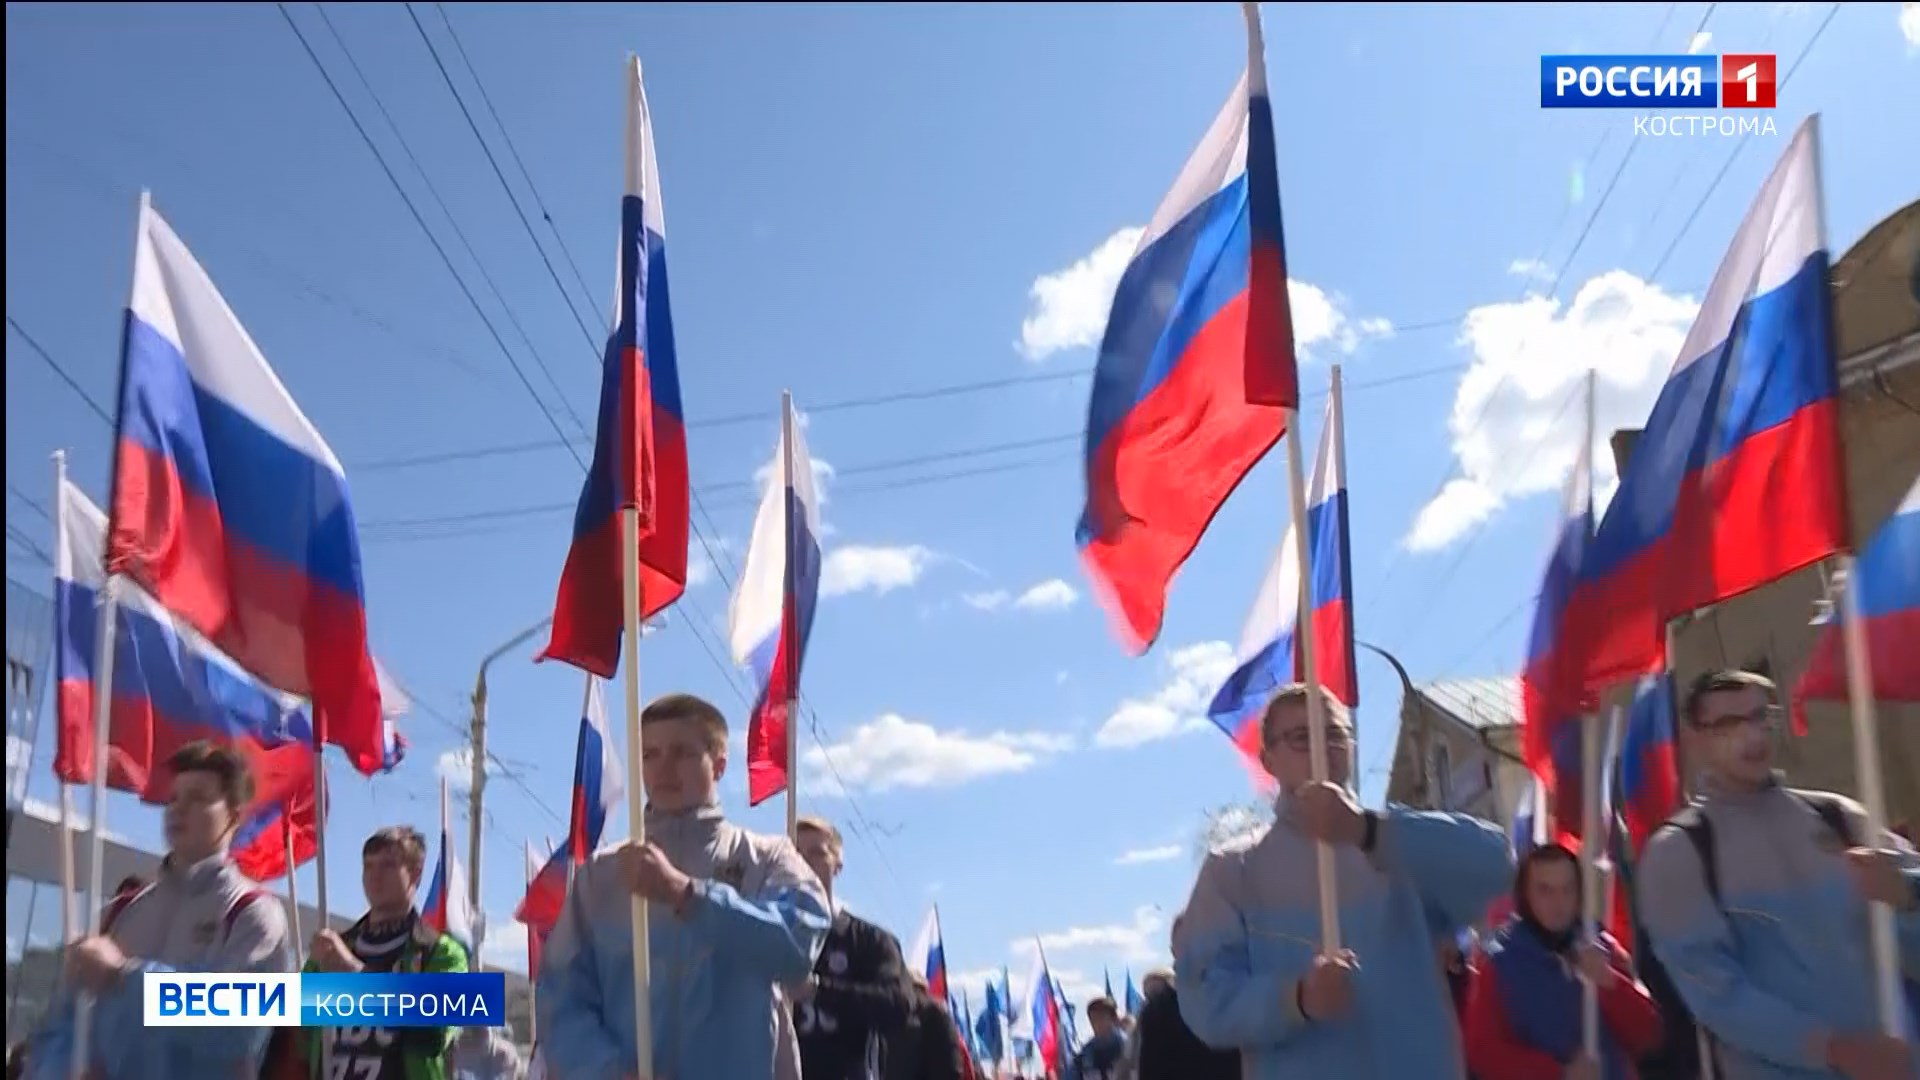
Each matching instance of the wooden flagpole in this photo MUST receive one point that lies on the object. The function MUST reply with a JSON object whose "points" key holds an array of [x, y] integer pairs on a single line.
{"points": [[790, 633], [636, 779]]}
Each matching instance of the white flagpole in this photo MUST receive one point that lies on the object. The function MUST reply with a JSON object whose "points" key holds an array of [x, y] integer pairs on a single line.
{"points": [[1316, 707], [636, 785], [1873, 795], [1866, 728], [630, 642], [1297, 497], [533, 991], [102, 726], [792, 658], [320, 857], [293, 891], [68, 887], [1592, 735]]}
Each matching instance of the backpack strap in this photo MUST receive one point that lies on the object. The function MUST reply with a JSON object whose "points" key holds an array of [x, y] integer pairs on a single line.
{"points": [[119, 904], [240, 904], [1831, 813], [1693, 821]]}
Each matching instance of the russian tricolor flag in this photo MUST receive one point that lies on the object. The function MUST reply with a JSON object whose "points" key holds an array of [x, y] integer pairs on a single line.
{"points": [[771, 615], [1549, 685], [537, 932], [447, 909], [1887, 576], [1269, 652], [171, 687], [1196, 372], [227, 505], [640, 441], [1738, 476], [1039, 1022], [1649, 771], [598, 786], [928, 956]]}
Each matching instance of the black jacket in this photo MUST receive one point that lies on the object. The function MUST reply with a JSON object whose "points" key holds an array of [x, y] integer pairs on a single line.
{"points": [[929, 1048], [861, 1001], [1169, 1050]]}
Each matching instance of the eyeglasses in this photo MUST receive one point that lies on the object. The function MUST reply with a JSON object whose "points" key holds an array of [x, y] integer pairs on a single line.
{"points": [[1300, 740], [1765, 718]]}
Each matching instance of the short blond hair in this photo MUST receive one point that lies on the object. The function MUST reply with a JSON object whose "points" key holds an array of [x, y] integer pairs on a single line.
{"points": [[1293, 692], [823, 827]]}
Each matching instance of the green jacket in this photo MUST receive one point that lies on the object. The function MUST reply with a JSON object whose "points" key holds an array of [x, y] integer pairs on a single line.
{"points": [[423, 1049]]}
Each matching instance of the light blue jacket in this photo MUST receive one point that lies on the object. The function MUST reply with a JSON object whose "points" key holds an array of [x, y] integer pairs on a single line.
{"points": [[1252, 927], [1784, 956], [190, 919], [757, 918]]}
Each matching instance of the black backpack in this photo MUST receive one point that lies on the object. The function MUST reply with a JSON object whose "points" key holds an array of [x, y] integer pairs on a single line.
{"points": [[1678, 1057]]}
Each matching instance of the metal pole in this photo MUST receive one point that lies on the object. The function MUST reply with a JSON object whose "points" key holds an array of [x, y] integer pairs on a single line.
{"points": [[478, 751], [1422, 731]]}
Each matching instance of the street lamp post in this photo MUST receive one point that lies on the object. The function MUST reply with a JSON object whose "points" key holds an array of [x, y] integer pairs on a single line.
{"points": [[1408, 694], [478, 751]]}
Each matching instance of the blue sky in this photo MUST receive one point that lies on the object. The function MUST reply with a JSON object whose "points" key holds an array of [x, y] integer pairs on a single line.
{"points": [[873, 202]]}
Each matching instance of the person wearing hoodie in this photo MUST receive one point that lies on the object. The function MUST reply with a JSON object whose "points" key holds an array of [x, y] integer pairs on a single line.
{"points": [[1524, 1015], [1165, 1048], [1755, 901], [1247, 952], [732, 916], [199, 914], [858, 998], [929, 1047]]}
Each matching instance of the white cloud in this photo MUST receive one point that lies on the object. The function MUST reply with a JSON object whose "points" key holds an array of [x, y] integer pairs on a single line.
{"points": [[1699, 43], [1141, 941], [1148, 855], [699, 568], [456, 766], [1068, 308], [1515, 425], [1531, 270], [822, 477], [974, 982], [1910, 23], [859, 567], [895, 752], [1054, 595], [987, 601], [1195, 675]]}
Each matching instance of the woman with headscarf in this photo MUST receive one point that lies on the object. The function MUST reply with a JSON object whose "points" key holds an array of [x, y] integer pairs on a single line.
{"points": [[1524, 1019]]}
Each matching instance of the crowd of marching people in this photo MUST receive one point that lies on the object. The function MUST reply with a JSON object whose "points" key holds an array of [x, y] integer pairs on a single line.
{"points": [[1751, 959]]}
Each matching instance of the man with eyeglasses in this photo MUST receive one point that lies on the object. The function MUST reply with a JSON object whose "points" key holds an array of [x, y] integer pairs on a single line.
{"points": [[1755, 901], [1247, 954]]}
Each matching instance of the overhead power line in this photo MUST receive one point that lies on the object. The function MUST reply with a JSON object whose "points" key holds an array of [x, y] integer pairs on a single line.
{"points": [[41, 351], [420, 220], [434, 51], [453, 223]]}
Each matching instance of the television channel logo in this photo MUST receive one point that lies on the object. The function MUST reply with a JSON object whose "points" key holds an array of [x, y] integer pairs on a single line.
{"points": [[315, 999], [1659, 82]]}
